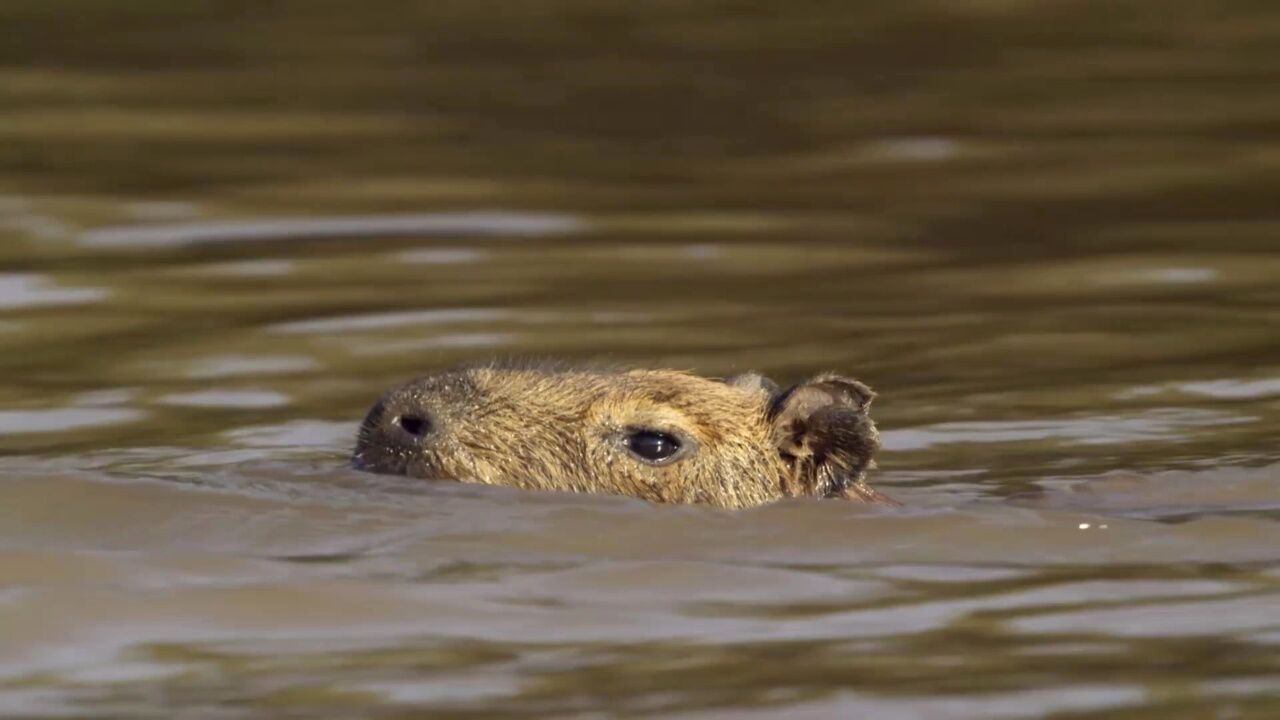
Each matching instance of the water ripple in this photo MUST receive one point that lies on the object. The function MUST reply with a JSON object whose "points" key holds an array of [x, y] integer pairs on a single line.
{"points": [[1152, 425], [475, 224]]}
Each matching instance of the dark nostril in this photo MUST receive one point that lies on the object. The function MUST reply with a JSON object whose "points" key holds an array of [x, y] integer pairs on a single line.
{"points": [[413, 424]]}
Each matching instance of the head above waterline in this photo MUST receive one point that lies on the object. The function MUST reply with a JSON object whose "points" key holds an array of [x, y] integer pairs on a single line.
{"points": [[660, 435]]}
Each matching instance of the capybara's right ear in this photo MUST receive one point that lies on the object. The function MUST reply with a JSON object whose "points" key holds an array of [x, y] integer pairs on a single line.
{"points": [[825, 436]]}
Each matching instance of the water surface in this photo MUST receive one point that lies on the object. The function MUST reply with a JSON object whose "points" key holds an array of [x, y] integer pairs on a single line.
{"points": [[1046, 232]]}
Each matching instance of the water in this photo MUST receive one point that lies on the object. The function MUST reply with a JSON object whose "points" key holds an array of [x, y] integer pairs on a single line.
{"points": [[1045, 232]]}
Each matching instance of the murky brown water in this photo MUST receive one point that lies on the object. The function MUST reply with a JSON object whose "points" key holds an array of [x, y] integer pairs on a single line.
{"points": [[1046, 232]]}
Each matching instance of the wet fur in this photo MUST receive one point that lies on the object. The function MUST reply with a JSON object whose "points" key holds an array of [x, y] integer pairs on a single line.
{"points": [[539, 426]]}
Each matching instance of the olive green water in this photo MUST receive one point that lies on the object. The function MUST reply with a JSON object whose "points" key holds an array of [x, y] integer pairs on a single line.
{"points": [[1047, 232]]}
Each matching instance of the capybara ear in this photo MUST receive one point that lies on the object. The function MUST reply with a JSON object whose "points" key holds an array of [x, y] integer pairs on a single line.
{"points": [[826, 438], [753, 382]]}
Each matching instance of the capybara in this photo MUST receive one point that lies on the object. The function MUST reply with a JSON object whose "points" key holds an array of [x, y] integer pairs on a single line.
{"points": [[662, 435]]}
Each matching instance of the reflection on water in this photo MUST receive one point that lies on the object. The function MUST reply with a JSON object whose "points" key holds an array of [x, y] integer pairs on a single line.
{"points": [[1045, 232], [228, 398], [47, 420], [1225, 389], [391, 320], [1163, 424], [234, 365], [18, 291], [451, 225]]}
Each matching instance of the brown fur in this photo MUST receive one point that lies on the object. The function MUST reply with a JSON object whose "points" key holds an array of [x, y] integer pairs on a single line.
{"points": [[744, 443]]}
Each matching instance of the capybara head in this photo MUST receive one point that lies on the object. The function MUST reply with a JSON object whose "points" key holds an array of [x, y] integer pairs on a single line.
{"points": [[660, 435]]}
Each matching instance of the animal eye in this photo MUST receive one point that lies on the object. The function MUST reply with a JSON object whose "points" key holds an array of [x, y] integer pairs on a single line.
{"points": [[653, 446]]}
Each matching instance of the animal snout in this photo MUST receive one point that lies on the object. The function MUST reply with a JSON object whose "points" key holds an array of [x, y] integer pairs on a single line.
{"points": [[397, 421]]}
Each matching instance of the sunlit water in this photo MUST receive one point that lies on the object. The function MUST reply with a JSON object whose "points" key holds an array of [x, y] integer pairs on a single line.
{"points": [[1045, 232]]}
